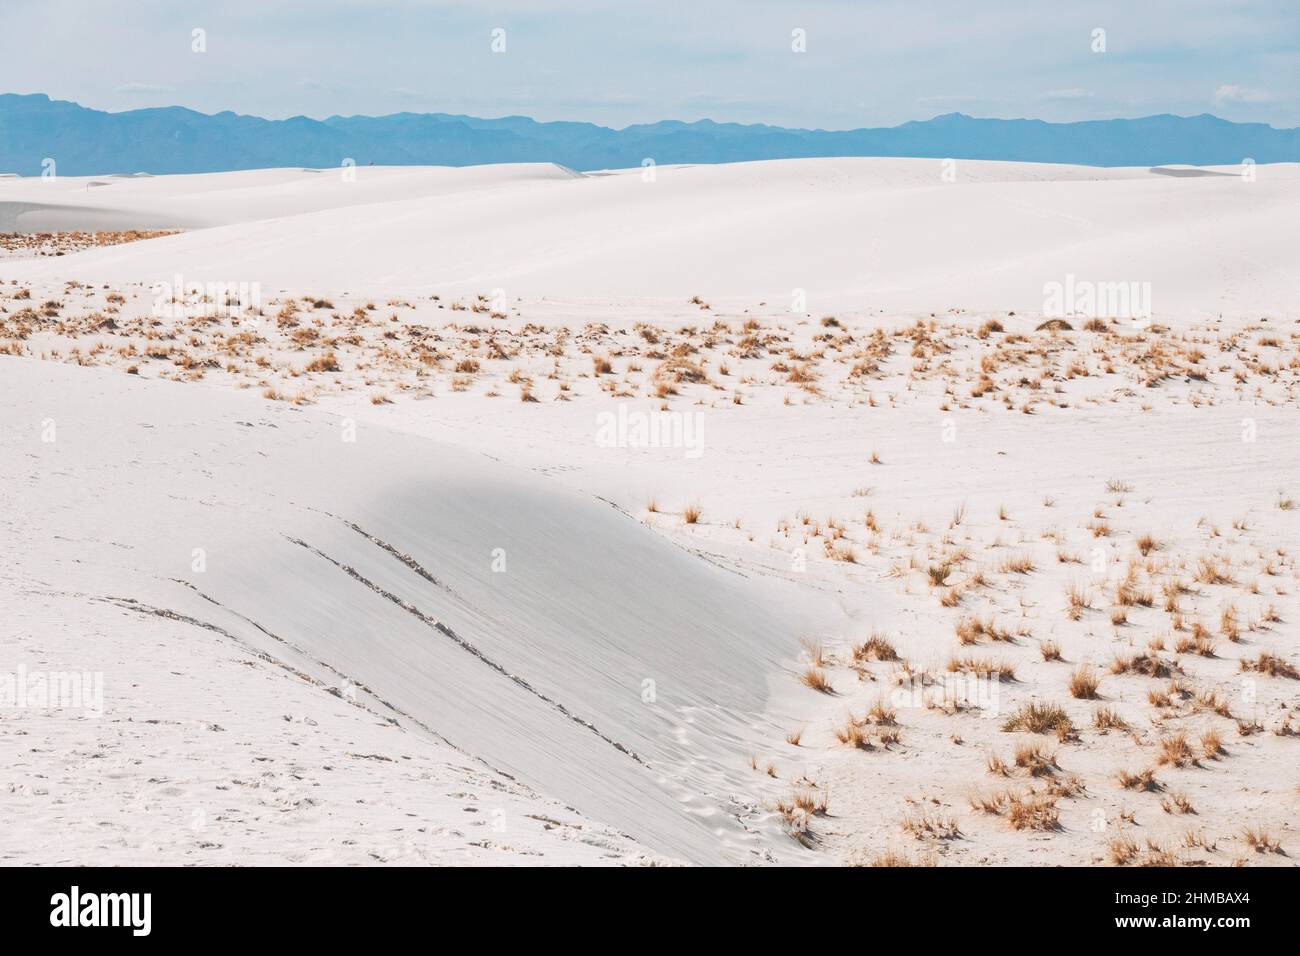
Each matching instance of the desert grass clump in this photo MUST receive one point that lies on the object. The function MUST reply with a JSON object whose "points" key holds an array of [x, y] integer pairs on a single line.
{"points": [[1177, 803], [882, 715], [1175, 751], [327, 362], [875, 648], [1143, 781], [970, 629], [1122, 851], [843, 552], [934, 826], [1050, 650], [1107, 718], [1212, 745], [1248, 728], [1228, 624], [1077, 600], [1158, 698], [853, 735], [1198, 642], [1017, 564], [1147, 664], [1146, 544], [816, 679], [1270, 664], [994, 804], [798, 810], [1128, 595], [1032, 757], [1033, 811], [1036, 718], [814, 803], [1171, 589], [1083, 683], [1211, 700], [1099, 528], [938, 574], [982, 667], [1259, 840], [1209, 571], [691, 514]]}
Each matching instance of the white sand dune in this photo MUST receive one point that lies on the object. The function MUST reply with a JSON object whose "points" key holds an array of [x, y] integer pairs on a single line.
{"points": [[548, 634], [849, 233], [218, 199]]}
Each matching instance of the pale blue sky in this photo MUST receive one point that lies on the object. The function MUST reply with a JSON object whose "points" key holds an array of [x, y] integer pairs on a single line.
{"points": [[868, 63]]}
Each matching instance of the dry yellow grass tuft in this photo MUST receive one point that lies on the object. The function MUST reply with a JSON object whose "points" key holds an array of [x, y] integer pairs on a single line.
{"points": [[970, 629], [875, 648], [1143, 780], [1175, 751], [1270, 664], [1212, 744], [935, 826], [1083, 683], [1122, 851], [1106, 718], [326, 362], [817, 680], [1032, 757], [1033, 811], [1036, 718], [1259, 840]]}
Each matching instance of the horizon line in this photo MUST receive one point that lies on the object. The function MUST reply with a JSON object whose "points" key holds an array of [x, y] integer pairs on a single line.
{"points": [[619, 129]]}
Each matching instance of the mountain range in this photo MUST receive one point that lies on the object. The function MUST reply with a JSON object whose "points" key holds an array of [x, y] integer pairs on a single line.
{"points": [[174, 139]]}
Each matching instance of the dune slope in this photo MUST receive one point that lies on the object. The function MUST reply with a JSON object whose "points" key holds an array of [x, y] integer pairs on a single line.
{"points": [[864, 233], [550, 635]]}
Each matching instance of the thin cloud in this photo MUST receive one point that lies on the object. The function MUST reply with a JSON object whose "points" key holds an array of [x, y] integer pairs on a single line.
{"points": [[1230, 93]]}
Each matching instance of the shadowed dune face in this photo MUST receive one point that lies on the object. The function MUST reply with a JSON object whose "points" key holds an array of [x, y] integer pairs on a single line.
{"points": [[1188, 173]]}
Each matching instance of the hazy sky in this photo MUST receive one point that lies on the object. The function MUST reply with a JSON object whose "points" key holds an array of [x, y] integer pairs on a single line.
{"points": [[866, 63]]}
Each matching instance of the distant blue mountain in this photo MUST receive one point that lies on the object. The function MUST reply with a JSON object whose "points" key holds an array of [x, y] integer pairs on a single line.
{"points": [[177, 140]]}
